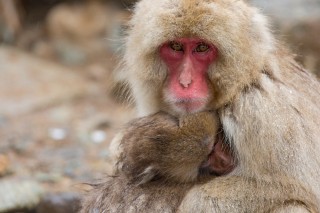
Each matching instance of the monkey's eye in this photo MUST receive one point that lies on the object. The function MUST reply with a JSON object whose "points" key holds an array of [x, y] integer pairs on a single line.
{"points": [[202, 47], [176, 46]]}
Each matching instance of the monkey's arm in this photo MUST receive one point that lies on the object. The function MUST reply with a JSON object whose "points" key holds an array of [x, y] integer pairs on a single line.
{"points": [[272, 194], [119, 195]]}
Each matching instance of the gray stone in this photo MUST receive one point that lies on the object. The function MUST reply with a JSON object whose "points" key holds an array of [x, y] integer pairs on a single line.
{"points": [[67, 202], [18, 195], [28, 83]]}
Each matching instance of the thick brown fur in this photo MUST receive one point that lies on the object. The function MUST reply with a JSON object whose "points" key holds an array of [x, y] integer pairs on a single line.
{"points": [[161, 153], [269, 107], [119, 195], [163, 146]]}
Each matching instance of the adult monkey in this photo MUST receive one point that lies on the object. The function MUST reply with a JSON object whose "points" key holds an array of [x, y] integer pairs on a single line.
{"points": [[184, 56]]}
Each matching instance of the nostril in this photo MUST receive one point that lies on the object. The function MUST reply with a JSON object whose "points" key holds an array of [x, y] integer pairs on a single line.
{"points": [[185, 84]]}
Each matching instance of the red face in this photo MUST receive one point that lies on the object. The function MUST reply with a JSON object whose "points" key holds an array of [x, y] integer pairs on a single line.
{"points": [[188, 60]]}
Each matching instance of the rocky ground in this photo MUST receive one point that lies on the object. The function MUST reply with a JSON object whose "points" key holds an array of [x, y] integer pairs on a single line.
{"points": [[57, 114], [58, 109], [55, 127]]}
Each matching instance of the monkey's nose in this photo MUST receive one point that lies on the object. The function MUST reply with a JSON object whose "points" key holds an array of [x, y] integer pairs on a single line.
{"points": [[185, 78], [185, 84]]}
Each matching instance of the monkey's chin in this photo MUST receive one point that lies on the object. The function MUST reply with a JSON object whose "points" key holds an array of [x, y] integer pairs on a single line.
{"points": [[189, 106]]}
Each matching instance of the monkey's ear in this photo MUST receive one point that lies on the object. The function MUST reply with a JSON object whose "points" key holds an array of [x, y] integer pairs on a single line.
{"points": [[146, 176]]}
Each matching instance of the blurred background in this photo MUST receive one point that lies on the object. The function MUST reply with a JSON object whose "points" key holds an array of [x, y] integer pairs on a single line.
{"points": [[61, 101]]}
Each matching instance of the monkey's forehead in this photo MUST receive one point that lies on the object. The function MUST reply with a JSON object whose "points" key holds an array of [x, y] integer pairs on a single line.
{"points": [[222, 23]]}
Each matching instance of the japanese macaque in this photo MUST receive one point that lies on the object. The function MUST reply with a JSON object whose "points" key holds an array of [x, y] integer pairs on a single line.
{"points": [[188, 56]]}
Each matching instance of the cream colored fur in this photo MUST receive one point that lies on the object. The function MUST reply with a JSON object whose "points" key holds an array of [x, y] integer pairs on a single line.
{"points": [[237, 30], [268, 105]]}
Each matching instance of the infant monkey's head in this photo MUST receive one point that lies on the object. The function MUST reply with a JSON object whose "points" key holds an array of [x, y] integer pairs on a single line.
{"points": [[187, 153], [176, 149]]}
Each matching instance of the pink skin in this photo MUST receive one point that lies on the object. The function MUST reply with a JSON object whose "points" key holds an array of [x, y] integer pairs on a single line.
{"points": [[188, 69], [188, 89], [220, 160]]}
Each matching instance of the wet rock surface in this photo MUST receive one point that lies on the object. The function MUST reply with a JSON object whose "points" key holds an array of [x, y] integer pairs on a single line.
{"points": [[56, 127], [24, 93]]}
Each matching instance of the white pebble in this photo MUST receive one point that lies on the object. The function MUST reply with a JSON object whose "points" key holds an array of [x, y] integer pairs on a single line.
{"points": [[57, 133], [98, 136]]}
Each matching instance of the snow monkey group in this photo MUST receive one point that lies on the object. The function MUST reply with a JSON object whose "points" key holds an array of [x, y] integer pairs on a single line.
{"points": [[229, 121]]}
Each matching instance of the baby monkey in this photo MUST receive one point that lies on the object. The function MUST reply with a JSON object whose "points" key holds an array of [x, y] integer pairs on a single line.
{"points": [[162, 157], [181, 150]]}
